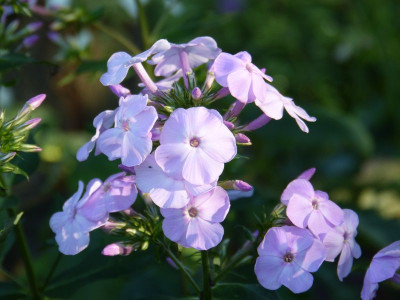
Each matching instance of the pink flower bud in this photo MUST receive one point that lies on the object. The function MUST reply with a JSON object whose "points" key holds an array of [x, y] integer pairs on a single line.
{"points": [[230, 125], [119, 90], [117, 249], [242, 139], [32, 123], [196, 93], [32, 27], [241, 185]]}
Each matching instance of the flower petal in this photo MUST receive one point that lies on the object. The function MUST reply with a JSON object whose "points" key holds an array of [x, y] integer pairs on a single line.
{"points": [[224, 65], [268, 270], [203, 235], [118, 66], [239, 85], [333, 242], [295, 278], [345, 262], [171, 158], [299, 210], [298, 186], [214, 205]]}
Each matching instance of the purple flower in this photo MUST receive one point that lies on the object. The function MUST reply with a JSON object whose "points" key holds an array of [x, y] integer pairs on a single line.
{"points": [[195, 144], [117, 193], [287, 255], [130, 139], [384, 266], [120, 62], [101, 122], [185, 56], [197, 225], [306, 207], [272, 103], [244, 80], [342, 240], [164, 190], [70, 226]]}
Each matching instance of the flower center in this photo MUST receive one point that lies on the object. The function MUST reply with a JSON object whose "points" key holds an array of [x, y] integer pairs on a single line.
{"points": [[194, 142], [125, 125], [346, 236], [315, 204], [288, 257], [193, 212]]}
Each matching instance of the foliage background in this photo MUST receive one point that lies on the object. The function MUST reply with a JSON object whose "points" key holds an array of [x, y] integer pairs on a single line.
{"points": [[338, 59]]}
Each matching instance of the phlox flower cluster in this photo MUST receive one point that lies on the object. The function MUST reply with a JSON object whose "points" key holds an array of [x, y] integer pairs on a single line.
{"points": [[173, 148]]}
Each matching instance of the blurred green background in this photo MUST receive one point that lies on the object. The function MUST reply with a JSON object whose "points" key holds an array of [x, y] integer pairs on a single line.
{"points": [[338, 59]]}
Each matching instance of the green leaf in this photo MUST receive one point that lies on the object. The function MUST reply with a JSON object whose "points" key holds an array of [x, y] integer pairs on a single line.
{"points": [[243, 291], [12, 61], [10, 291]]}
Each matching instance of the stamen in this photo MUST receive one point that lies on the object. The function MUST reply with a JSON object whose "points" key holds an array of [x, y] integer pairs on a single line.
{"points": [[288, 257], [193, 212], [194, 142]]}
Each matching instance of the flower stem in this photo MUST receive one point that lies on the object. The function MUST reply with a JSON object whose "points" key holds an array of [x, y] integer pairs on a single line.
{"points": [[26, 257], [183, 269], [206, 295], [117, 37], [52, 270]]}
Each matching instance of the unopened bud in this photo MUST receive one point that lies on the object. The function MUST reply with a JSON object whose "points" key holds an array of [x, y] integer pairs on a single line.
{"points": [[9, 156], [196, 93], [209, 80], [32, 27], [145, 246], [230, 125], [117, 249], [119, 90], [29, 41], [31, 105], [242, 139], [29, 148], [111, 226], [30, 124], [237, 185]]}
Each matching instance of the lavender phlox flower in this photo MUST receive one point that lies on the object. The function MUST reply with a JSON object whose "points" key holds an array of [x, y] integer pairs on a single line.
{"points": [[71, 226], [130, 139], [309, 208], [119, 90], [185, 56], [341, 240], [197, 225], [166, 191], [120, 62], [117, 249], [101, 122], [272, 104], [195, 144], [117, 193], [287, 255], [244, 80], [384, 265]]}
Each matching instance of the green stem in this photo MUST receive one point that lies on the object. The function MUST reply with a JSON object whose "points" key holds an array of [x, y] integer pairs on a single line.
{"points": [[118, 37], [236, 258], [26, 257], [52, 270], [11, 278], [183, 269], [207, 295], [144, 27]]}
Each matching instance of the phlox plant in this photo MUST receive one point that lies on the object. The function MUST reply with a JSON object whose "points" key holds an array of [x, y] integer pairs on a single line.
{"points": [[172, 148]]}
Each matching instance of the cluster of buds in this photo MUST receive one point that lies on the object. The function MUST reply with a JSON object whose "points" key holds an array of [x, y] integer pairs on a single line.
{"points": [[15, 132]]}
